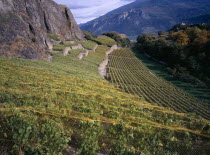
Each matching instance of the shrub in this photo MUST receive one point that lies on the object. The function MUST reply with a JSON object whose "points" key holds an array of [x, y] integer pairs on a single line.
{"points": [[89, 35], [68, 44], [54, 37], [33, 40], [58, 47], [31, 134], [121, 39]]}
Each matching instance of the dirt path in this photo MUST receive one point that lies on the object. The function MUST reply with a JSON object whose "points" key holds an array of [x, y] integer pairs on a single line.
{"points": [[66, 51], [102, 68], [83, 54], [94, 49]]}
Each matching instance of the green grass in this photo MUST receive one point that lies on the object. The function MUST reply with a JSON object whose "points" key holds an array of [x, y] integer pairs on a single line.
{"points": [[61, 47], [69, 44], [88, 44], [54, 37], [58, 47], [46, 104], [106, 41], [100, 50]]}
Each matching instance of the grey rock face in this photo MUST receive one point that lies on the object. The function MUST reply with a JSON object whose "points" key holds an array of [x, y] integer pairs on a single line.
{"points": [[24, 25]]}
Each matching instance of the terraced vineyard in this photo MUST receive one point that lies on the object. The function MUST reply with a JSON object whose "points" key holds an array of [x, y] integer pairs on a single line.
{"points": [[127, 72], [67, 103]]}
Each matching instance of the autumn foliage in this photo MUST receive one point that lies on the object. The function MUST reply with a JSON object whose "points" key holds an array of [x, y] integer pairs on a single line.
{"points": [[185, 50]]}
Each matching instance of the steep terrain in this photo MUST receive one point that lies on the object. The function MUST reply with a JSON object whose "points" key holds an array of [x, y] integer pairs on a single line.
{"points": [[184, 51], [129, 73], [47, 107], [24, 25], [66, 107], [147, 16]]}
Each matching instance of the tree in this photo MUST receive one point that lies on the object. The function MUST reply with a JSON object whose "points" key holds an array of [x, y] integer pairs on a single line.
{"points": [[193, 32], [121, 39], [181, 38]]}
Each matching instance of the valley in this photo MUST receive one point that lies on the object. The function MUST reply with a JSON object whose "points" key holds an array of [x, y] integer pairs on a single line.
{"points": [[64, 91], [70, 97], [149, 16]]}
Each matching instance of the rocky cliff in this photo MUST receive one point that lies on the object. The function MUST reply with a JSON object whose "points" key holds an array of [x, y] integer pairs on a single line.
{"points": [[147, 16], [25, 25]]}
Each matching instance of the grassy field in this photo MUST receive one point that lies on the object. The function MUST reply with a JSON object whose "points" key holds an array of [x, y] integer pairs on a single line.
{"points": [[128, 72], [158, 69], [100, 51], [66, 44], [88, 44], [58, 47], [66, 102], [61, 47], [105, 41]]}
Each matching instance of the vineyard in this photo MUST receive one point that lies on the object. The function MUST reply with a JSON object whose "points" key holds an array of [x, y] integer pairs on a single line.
{"points": [[66, 103], [127, 72]]}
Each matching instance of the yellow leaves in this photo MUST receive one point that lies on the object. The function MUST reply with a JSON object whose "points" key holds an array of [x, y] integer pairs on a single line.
{"points": [[103, 145], [71, 97], [160, 144], [181, 37], [200, 40], [191, 35]]}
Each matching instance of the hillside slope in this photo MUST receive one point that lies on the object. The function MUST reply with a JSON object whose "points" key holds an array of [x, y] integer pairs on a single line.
{"points": [[184, 50], [66, 102], [128, 72], [24, 25], [199, 19], [147, 16]]}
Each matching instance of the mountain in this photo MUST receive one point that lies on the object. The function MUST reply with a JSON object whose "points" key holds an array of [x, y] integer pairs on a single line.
{"points": [[147, 16], [199, 19], [26, 24]]}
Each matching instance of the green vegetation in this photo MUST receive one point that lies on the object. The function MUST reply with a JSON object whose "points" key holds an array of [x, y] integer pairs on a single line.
{"points": [[160, 70], [58, 47], [62, 46], [179, 27], [100, 51], [184, 50], [89, 35], [54, 37], [46, 106], [105, 41], [88, 44], [66, 44], [121, 39], [128, 72]]}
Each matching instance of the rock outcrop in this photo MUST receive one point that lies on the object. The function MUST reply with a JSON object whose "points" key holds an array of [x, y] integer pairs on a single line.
{"points": [[25, 25]]}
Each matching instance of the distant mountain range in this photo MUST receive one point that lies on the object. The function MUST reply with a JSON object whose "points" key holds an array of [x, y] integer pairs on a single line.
{"points": [[199, 19], [149, 16]]}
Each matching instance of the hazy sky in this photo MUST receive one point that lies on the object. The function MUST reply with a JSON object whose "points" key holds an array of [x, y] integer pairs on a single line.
{"points": [[86, 10]]}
